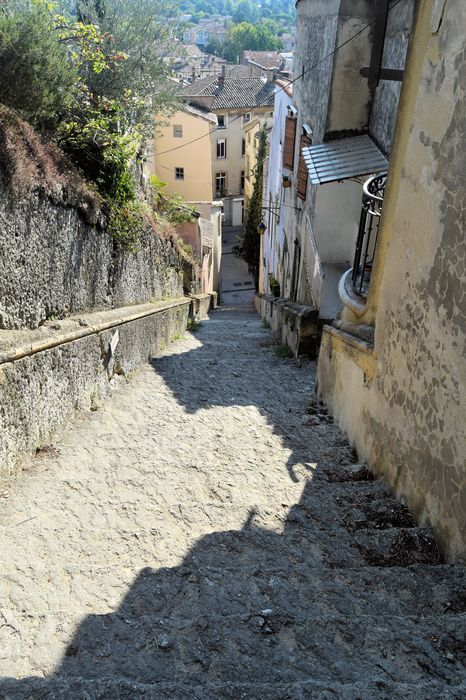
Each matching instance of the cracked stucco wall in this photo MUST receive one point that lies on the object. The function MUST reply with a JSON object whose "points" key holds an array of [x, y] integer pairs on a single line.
{"points": [[407, 413]]}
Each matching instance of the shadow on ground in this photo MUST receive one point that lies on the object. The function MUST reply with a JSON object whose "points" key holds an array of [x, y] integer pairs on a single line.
{"points": [[258, 377], [293, 612], [259, 614]]}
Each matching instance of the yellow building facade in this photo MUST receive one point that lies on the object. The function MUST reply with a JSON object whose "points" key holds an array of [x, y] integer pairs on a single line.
{"points": [[181, 155]]}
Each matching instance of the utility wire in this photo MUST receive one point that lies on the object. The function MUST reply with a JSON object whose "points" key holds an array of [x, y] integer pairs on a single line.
{"points": [[282, 89]]}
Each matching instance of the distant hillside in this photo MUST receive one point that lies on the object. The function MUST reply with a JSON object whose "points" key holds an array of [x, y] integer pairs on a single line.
{"points": [[241, 10]]}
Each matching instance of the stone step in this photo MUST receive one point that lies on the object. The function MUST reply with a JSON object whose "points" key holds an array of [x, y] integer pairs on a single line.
{"points": [[398, 547], [148, 642], [345, 473], [249, 586], [119, 689]]}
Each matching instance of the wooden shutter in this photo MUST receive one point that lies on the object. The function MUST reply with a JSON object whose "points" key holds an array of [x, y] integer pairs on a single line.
{"points": [[303, 174], [290, 138]]}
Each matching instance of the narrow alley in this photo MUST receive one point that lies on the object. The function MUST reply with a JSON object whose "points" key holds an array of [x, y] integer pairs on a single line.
{"points": [[237, 283], [207, 534]]}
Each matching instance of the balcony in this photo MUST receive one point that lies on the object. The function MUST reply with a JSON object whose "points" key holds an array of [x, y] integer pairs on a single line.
{"points": [[354, 285], [368, 233]]}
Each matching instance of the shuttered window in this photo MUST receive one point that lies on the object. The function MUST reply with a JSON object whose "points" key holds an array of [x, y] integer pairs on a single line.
{"points": [[302, 168], [221, 148], [290, 138]]}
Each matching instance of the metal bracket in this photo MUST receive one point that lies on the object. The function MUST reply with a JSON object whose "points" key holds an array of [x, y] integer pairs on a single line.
{"points": [[384, 74], [378, 42]]}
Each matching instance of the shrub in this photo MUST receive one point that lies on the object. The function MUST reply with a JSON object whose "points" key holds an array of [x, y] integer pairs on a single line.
{"points": [[36, 75], [127, 223]]}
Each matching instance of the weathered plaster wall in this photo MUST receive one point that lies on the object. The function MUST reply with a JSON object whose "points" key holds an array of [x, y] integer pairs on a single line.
{"points": [[349, 104], [409, 420], [317, 27], [386, 96], [273, 241], [336, 217], [52, 263]]}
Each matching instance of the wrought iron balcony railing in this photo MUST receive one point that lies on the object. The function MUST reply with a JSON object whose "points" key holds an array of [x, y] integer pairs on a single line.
{"points": [[368, 233]]}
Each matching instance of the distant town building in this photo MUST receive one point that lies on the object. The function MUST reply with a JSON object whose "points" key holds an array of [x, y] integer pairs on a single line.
{"points": [[235, 101], [206, 31], [289, 41], [192, 64], [270, 61], [288, 58], [188, 171]]}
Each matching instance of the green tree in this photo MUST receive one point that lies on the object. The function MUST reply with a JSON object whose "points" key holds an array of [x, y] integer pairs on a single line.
{"points": [[215, 47], [87, 9], [250, 37], [249, 243], [95, 84], [139, 32], [36, 76], [245, 11]]}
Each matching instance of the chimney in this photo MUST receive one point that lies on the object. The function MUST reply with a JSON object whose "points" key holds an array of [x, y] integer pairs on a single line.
{"points": [[221, 78]]}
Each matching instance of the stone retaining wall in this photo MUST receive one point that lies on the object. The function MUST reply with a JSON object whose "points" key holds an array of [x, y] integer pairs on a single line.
{"points": [[54, 264], [295, 324], [57, 372]]}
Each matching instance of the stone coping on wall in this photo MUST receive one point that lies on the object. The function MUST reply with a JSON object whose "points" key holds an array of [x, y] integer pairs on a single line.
{"points": [[361, 338], [360, 331], [15, 345], [297, 309]]}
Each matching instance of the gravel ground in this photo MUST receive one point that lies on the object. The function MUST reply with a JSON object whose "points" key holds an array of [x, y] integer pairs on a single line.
{"points": [[207, 533]]}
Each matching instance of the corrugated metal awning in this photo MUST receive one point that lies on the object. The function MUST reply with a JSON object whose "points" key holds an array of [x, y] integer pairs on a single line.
{"points": [[342, 159]]}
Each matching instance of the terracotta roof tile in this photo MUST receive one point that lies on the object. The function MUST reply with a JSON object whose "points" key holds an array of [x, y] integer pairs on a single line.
{"points": [[236, 93]]}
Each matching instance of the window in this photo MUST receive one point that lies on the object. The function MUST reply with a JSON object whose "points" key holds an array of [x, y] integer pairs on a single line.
{"points": [[243, 148], [222, 121], [179, 173], [303, 173], [246, 117], [221, 148], [220, 183], [242, 181], [290, 138], [177, 131]]}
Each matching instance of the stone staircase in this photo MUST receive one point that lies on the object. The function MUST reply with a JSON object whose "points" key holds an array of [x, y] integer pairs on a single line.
{"points": [[351, 601], [344, 598]]}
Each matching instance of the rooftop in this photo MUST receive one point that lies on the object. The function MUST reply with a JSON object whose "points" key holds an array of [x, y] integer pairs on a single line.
{"points": [[265, 59], [209, 116], [234, 93]]}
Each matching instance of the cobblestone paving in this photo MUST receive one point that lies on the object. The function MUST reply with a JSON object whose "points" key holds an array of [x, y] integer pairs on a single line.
{"points": [[207, 534]]}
